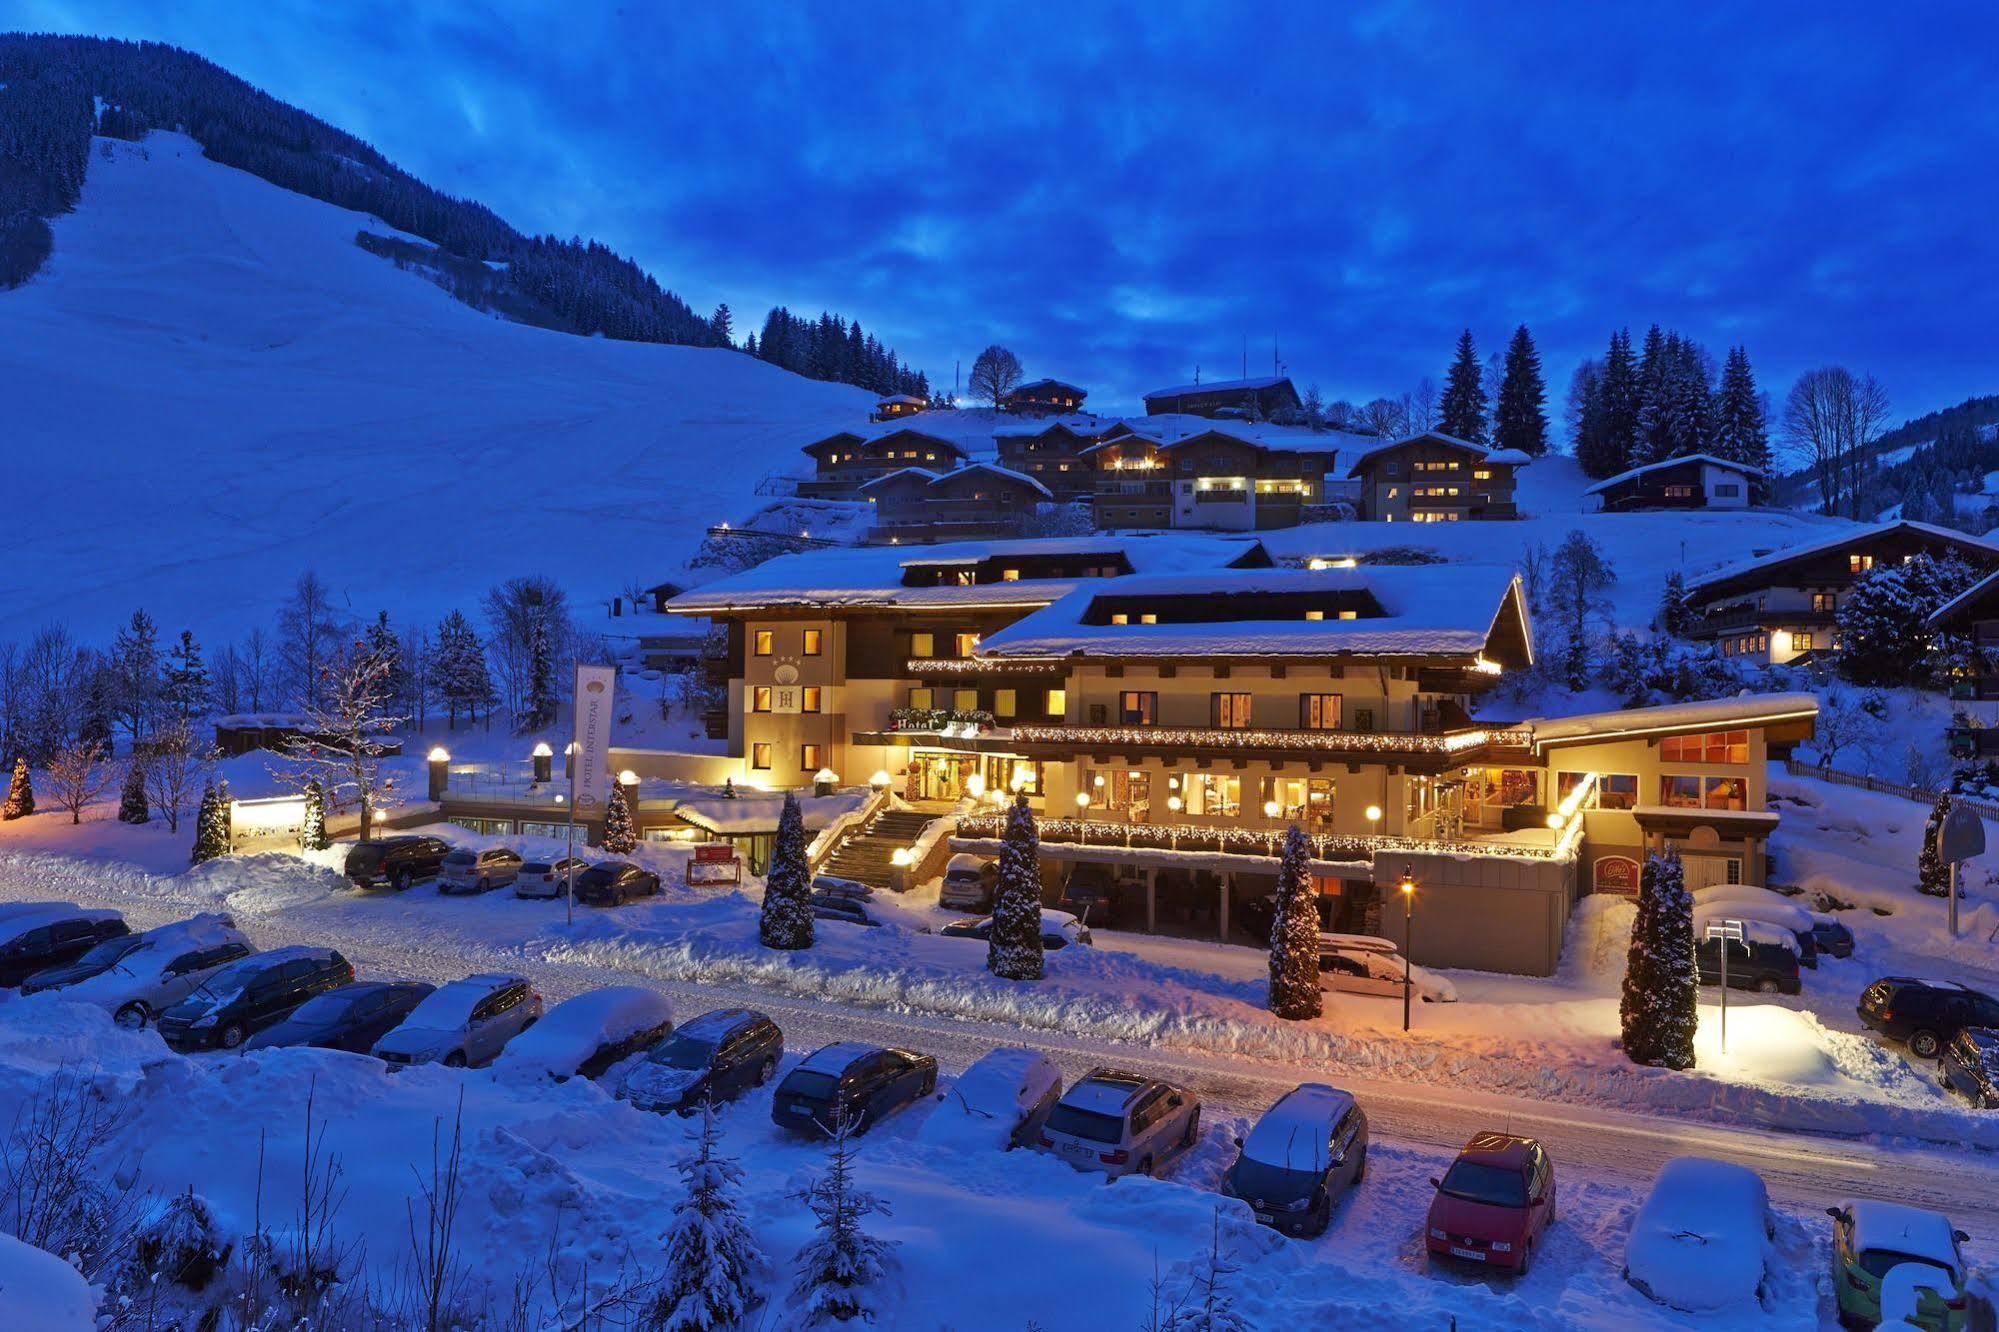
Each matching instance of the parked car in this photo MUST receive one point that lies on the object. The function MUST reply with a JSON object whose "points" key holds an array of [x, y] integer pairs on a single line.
{"points": [[1833, 937], [584, 1035], [468, 871], [715, 1057], [1702, 1240], [1871, 1239], [239, 1000], [164, 966], [614, 883], [1117, 1123], [1059, 929], [969, 881], [1829, 934], [1926, 1015], [96, 961], [1774, 912], [351, 1018], [396, 862], [1367, 964], [999, 1103], [830, 906], [832, 885], [1764, 959], [549, 878], [52, 936], [1493, 1203], [464, 1023], [1971, 1066], [863, 1083], [1090, 893], [1304, 1154]]}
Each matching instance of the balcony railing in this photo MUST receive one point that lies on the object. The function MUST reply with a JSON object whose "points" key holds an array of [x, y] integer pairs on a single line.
{"points": [[986, 666], [1269, 843], [1441, 743]]}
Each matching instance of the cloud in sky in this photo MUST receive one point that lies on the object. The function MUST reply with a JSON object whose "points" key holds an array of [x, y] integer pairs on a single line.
{"points": [[1124, 192]]}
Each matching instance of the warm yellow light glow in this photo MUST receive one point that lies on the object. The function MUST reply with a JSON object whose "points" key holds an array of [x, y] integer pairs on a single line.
{"points": [[880, 779], [628, 778], [1374, 813], [1082, 800], [543, 751], [1408, 886], [570, 748], [1173, 803], [825, 775], [1555, 821], [976, 784], [439, 755], [1780, 640], [1270, 808], [1098, 780], [900, 856], [1485, 666]]}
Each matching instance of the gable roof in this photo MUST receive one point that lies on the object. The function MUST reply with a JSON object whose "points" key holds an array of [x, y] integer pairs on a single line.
{"points": [[1506, 457], [1967, 600], [1034, 384], [1848, 537], [881, 430], [1076, 423], [923, 473], [1609, 481], [1220, 386], [1675, 718], [994, 469]]}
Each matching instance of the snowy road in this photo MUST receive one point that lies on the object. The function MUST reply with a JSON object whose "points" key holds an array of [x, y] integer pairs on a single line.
{"points": [[1806, 1170]]}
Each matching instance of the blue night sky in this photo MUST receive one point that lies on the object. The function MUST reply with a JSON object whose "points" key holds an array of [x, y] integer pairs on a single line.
{"points": [[1121, 193]]}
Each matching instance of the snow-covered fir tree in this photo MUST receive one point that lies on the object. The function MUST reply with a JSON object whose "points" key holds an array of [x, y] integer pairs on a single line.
{"points": [[1461, 411], [211, 823], [841, 1268], [541, 704], [1209, 1304], [312, 823], [132, 807], [1578, 577], [1013, 948], [1676, 615], [100, 704], [713, 1261], [20, 792], [1294, 933], [135, 654], [786, 921], [1932, 870], [1617, 398], [1658, 1009], [621, 837], [1650, 439], [1741, 433], [464, 682], [1884, 636], [1519, 416], [184, 685]]}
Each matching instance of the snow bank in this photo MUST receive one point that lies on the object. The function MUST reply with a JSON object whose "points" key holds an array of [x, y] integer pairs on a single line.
{"points": [[983, 1108], [572, 1031], [39, 1292]]}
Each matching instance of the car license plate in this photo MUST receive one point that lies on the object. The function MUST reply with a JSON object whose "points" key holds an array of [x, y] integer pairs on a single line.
{"points": [[1079, 1152], [801, 1110], [1266, 1218], [1472, 1254]]}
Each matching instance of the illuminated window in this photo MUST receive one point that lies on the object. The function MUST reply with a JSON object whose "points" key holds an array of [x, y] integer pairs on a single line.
{"points": [[1214, 795], [814, 638], [1319, 712], [1613, 790], [766, 642], [808, 758], [1148, 618], [1315, 615], [1058, 702], [1120, 617], [1229, 711], [808, 698], [1138, 707], [921, 696], [965, 700], [965, 644], [1859, 563], [1825, 601], [1482, 474], [760, 756], [923, 645], [1004, 702], [1009, 575], [1801, 642], [1349, 615], [760, 699], [1712, 747]]}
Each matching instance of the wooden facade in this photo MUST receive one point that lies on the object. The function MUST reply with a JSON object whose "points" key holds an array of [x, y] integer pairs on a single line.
{"points": [[849, 459], [1435, 478], [1214, 480], [1055, 455], [1045, 397], [1265, 399], [1699, 481], [975, 501]]}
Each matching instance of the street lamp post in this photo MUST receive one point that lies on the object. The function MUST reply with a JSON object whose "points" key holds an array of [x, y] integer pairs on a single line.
{"points": [[1373, 820], [1408, 887]]}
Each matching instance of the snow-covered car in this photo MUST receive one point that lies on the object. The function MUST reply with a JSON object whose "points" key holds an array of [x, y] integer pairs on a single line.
{"points": [[1775, 912], [715, 1057], [464, 1023], [863, 1084], [1000, 1102], [1764, 959], [1970, 1066], [584, 1035], [1871, 1239], [832, 885], [1829, 933], [1367, 964], [1059, 929], [968, 883], [1702, 1241], [164, 966], [469, 871], [33, 941], [97, 960], [833, 906], [1117, 1123], [1306, 1151], [548, 878]]}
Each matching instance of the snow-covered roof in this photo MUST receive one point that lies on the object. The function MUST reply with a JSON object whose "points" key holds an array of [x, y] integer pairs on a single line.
{"points": [[834, 1058], [924, 473], [1033, 384], [1219, 386], [879, 430], [1295, 1133], [241, 721], [872, 576], [1899, 1228], [1846, 537], [746, 814], [1484, 453], [1077, 423], [1741, 711], [994, 469], [1171, 428], [1429, 610], [1970, 596], [1624, 476], [902, 398]]}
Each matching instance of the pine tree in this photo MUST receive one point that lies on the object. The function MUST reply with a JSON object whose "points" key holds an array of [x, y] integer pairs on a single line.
{"points": [[621, 838], [1932, 870], [1013, 948], [1461, 411], [1210, 1303], [100, 706], [211, 824], [1617, 396], [1884, 636], [312, 823], [786, 921], [1294, 934], [722, 326], [1520, 418], [841, 1267], [20, 792], [1675, 612], [1741, 433], [136, 657], [1686, 410], [1578, 576], [184, 685], [712, 1258], [132, 807], [1649, 442], [1658, 1008], [541, 679]]}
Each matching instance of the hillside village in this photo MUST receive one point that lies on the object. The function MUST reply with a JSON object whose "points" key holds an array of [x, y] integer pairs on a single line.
{"points": [[1451, 767]]}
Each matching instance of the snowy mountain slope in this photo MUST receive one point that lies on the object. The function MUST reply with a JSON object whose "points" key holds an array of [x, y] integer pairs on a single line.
{"points": [[211, 388]]}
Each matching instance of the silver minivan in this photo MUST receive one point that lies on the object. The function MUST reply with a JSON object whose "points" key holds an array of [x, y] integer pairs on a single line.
{"points": [[469, 871], [1118, 1123], [968, 883]]}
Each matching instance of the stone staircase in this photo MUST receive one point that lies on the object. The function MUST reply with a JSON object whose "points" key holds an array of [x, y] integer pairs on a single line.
{"points": [[865, 857]]}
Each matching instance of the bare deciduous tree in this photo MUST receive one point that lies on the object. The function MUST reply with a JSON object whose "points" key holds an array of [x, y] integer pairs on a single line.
{"points": [[345, 734], [176, 762], [255, 682], [1385, 417], [59, 1189], [309, 630], [1831, 418], [78, 773], [995, 373]]}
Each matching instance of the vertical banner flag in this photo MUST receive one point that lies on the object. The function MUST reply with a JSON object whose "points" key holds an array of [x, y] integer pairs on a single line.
{"points": [[595, 686]]}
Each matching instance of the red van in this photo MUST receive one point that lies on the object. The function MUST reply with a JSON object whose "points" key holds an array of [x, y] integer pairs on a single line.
{"points": [[1493, 1203]]}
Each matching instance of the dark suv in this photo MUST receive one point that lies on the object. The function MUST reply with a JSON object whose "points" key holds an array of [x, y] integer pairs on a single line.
{"points": [[863, 1084], [717, 1056], [1760, 962], [247, 996], [396, 862], [1925, 1014], [1970, 1064], [33, 941], [614, 883]]}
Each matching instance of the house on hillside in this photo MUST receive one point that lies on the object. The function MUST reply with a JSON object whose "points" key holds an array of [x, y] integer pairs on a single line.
{"points": [[1436, 478], [1697, 481], [1973, 615], [1261, 399], [1051, 450], [1783, 606], [897, 406], [980, 499], [848, 459], [1170, 704], [1044, 397], [1190, 472]]}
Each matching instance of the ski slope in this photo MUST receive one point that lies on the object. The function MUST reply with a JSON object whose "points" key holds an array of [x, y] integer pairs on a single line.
{"points": [[210, 388]]}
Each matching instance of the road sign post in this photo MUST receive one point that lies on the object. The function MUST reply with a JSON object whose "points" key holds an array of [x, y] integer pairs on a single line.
{"points": [[1728, 931]]}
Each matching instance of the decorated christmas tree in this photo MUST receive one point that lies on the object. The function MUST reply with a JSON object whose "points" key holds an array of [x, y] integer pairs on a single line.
{"points": [[1932, 870], [211, 824], [712, 1258], [1661, 983], [621, 838], [20, 793], [787, 910], [132, 806], [312, 824], [1294, 934], [1013, 948]]}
